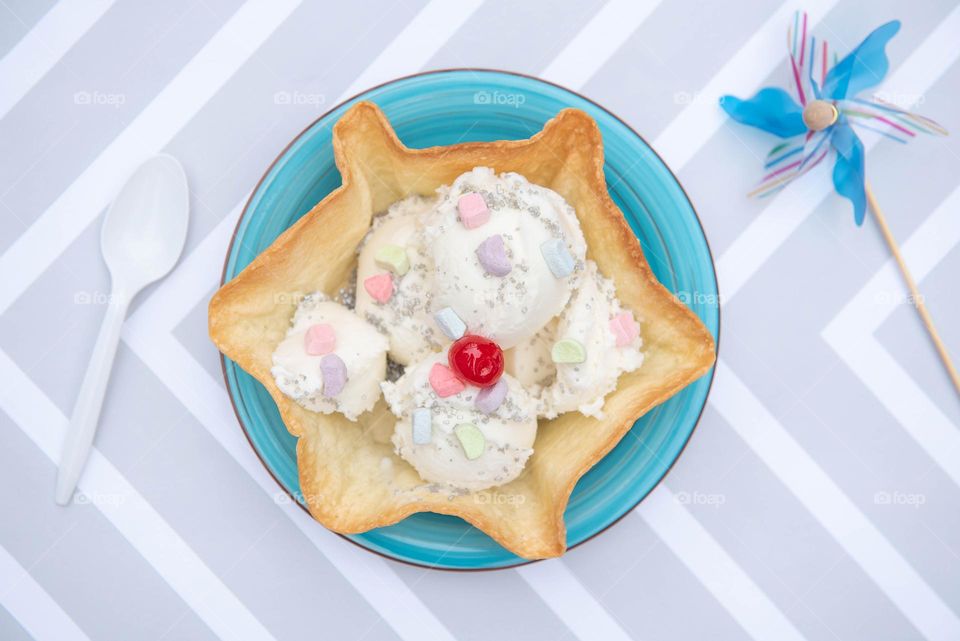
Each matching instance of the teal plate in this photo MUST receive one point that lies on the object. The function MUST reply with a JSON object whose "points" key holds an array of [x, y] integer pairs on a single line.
{"points": [[444, 108]]}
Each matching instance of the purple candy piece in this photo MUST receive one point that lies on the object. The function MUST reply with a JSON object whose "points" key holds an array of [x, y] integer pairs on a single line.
{"points": [[493, 256], [334, 374], [490, 398]]}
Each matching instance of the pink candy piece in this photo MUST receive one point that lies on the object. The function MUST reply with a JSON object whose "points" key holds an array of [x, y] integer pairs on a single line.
{"points": [[380, 287], [473, 210], [320, 339], [624, 328], [444, 382]]}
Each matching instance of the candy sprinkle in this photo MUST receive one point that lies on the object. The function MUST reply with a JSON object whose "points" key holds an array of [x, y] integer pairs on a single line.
{"points": [[379, 286], [334, 372], [422, 426], [624, 328], [444, 382], [393, 258], [568, 351], [320, 339], [490, 398], [471, 440], [492, 254], [450, 324], [557, 257], [473, 210]]}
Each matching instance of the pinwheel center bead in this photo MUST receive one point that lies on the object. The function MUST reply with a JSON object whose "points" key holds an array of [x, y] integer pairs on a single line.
{"points": [[819, 114]]}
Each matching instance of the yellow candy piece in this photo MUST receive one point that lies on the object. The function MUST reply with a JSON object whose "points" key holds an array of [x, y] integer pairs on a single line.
{"points": [[568, 351], [471, 439], [394, 258]]}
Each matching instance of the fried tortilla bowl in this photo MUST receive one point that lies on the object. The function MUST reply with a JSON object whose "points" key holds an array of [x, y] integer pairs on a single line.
{"points": [[346, 483]]}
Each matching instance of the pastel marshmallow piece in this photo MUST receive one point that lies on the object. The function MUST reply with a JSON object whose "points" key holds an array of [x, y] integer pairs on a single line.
{"points": [[558, 257], [624, 328], [393, 258], [444, 382], [422, 426], [492, 254], [334, 372], [568, 350], [320, 339], [471, 440], [490, 398], [473, 210], [379, 286], [450, 324]]}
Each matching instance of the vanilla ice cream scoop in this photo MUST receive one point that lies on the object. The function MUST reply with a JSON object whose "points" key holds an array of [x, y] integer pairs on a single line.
{"points": [[506, 254], [529, 362], [457, 440], [394, 246], [331, 359], [590, 328]]}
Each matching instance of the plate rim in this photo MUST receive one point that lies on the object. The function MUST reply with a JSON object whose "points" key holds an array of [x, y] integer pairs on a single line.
{"points": [[686, 196]]}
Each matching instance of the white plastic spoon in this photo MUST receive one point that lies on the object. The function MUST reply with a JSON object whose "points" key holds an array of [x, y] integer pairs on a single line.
{"points": [[141, 238]]}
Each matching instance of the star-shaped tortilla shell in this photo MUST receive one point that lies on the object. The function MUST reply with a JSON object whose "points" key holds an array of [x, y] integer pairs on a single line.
{"points": [[349, 475]]}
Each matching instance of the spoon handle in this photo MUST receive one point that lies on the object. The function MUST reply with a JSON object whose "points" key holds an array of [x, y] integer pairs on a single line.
{"points": [[86, 412]]}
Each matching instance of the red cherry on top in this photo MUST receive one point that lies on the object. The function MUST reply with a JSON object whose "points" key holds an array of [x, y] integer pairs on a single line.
{"points": [[476, 360]]}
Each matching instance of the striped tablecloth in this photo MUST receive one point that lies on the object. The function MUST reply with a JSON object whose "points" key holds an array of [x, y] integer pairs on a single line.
{"points": [[819, 498]]}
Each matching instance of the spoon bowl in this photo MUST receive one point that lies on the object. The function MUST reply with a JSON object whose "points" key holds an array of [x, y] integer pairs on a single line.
{"points": [[146, 226]]}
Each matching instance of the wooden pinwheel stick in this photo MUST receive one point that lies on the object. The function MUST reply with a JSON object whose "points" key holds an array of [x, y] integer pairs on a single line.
{"points": [[912, 286], [820, 114]]}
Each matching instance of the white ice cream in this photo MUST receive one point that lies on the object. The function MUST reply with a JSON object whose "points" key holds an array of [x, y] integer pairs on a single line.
{"points": [[509, 431], [405, 319], [525, 312], [586, 319], [530, 362], [361, 347], [509, 309]]}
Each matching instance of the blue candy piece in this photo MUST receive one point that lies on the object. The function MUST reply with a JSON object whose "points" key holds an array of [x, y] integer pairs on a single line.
{"points": [[450, 324], [422, 426], [557, 257]]}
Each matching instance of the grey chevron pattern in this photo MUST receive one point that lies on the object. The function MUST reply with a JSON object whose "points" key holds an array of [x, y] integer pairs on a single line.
{"points": [[818, 499]]}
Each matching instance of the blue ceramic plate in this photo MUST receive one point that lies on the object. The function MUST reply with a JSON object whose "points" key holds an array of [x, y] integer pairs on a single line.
{"points": [[447, 107]]}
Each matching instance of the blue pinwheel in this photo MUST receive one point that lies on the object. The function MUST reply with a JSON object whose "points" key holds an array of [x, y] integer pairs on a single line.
{"points": [[828, 113]]}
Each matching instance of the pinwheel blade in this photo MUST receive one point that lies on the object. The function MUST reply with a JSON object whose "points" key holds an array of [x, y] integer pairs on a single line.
{"points": [[770, 109], [848, 169], [862, 68]]}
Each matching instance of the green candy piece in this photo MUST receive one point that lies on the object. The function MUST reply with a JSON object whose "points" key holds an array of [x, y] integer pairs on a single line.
{"points": [[471, 439], [568, 351], [394, 258]]}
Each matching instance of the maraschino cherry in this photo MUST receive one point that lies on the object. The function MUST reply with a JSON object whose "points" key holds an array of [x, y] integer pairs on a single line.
{"points": [[476, 360]]}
